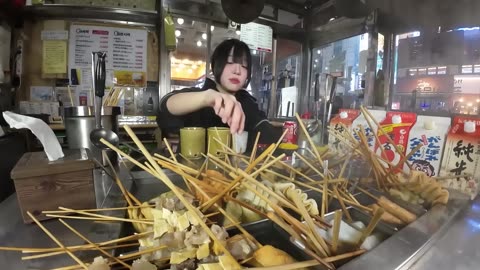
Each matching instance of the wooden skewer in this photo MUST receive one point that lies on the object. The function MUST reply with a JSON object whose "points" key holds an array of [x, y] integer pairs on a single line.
{"points": [[81, 218], [118, 181], [308, 164], [254, 150], [57, 241], [376, 198], [93, 244], [336, 230], [377, 215], [405, 159], [87, 247], [70, 95], [107, 217], [179, 194], [80, 247], [312, 145], [99, 209], [342, 204], [310, 225]]}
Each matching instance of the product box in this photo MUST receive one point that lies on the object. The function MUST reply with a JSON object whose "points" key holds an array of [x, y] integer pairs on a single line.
{"points": [[361, 121], [397, 126], [462, 156], [342, 123], [431, 132]]}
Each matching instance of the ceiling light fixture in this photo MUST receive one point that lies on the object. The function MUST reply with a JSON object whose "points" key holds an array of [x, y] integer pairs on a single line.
{"points": [[204, 35], [178, 33], [199, 43], [180, 21], [212, 28]]}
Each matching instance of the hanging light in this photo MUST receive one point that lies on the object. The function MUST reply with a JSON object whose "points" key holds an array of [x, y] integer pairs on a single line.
{"points": [[212, 27], [199, 43], [178, 33], [180, 21], [238, 32], [204, 35], [319, 52]]}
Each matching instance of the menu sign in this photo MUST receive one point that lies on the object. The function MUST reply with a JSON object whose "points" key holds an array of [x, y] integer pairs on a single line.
{"points": [[126, 54], [257, 36]]}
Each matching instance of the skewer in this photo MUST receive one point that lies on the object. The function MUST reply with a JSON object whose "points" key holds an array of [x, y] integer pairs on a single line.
{"points": [[70, 95], [57, 241], [377, 215], [93, 244], [310, 225], [336, 230], [254, 150], [342, 204], [87, 247], [405, 159], [99, 209], [180, 196], [106, 217], [312, 145], [117, 180]]}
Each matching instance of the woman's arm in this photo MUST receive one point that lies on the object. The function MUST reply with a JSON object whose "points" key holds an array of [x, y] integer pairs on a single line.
{"points": [[225, 106]]}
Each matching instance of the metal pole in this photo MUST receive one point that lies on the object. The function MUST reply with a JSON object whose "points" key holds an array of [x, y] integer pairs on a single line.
{"points": [[390, 51], [370, 75], [306, 71], [163, 54], [272, 112]]}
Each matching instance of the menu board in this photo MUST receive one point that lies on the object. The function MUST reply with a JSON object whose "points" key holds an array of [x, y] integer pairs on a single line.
{"points": [[126, 50], [257, 36]]}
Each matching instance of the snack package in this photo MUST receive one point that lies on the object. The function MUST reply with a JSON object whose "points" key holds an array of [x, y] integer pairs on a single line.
{"points": [[397, 126], [431, 132], [360, 121], [462, 156], [342, 123]]}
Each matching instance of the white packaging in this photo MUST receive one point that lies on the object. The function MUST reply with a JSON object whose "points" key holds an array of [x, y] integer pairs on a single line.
{"points": [[361, 121], [431, 132]]}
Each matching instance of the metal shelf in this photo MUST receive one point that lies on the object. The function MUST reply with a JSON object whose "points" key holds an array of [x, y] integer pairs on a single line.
{"points": [[95, 13]]}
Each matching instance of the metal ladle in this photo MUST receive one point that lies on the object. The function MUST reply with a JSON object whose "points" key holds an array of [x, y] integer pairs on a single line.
{"points": [[98, 78]]}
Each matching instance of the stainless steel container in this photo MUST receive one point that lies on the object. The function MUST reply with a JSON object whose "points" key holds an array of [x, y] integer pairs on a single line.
{"points": [[80, 121]]}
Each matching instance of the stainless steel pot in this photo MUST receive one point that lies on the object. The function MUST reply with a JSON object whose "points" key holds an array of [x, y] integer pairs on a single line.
{"points": [[80, 121]]}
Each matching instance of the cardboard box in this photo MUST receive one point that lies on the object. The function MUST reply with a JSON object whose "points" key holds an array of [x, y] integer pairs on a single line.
{"points": [[44, 185]]}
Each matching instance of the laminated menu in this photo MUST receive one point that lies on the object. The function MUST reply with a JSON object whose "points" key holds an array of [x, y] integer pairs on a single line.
{"points": [[462, 156], [342, 123], [397, 126], [431, 132], [360, 121]]}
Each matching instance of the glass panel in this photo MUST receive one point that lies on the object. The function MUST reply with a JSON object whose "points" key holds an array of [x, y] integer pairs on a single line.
{"points": [[438, 73], [188, 62], [348, 56]]}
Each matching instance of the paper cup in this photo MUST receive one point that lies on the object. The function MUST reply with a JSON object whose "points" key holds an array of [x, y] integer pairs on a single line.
{"points": [[240, 142]]}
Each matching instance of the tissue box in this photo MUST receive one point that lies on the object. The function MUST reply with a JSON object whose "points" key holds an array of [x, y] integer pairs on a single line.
{"points": [[45, 185]]}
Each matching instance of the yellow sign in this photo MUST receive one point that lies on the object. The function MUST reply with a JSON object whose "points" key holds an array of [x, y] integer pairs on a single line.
{"points": [[130, 78], [54, 57]]}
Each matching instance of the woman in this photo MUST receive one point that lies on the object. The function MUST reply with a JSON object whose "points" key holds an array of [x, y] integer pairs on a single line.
{"points": [[220, 103]]}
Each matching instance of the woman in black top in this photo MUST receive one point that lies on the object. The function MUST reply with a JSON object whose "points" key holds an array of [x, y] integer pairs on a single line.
{"points": [[220, 103]]}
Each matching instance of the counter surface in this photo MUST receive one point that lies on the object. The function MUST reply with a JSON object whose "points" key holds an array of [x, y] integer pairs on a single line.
{"points": [[445, 238], [14, 233]]}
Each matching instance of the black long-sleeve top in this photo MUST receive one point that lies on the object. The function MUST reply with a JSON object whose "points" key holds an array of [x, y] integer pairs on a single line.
{"points": [[255, 119]]}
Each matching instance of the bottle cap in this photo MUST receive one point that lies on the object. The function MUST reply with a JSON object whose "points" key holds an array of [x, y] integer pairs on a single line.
{"points": [[396, 119], [469, 127], [429, 124]]}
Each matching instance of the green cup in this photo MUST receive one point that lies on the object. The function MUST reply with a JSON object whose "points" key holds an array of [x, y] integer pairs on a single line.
{"points": [[223, 135], [192, 142]]}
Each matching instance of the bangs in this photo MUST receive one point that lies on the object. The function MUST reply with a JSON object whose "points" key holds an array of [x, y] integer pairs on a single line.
{"points": [[239, 55]]}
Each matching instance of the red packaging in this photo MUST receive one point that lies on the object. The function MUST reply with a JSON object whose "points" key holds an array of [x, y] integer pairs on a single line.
{"points": [[291, 136], [397, 125]]}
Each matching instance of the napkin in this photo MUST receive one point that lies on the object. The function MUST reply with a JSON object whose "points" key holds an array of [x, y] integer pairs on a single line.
{"points": [[40, 129]]}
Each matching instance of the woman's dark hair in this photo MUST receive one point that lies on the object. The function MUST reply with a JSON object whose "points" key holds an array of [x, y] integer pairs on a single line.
{"points": [[220, 57]]}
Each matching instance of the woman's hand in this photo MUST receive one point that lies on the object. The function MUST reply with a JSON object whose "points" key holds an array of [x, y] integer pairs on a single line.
{"points": [[228, 108]]}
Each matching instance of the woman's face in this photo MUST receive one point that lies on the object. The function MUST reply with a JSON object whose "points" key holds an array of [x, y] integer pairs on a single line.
{"points": [[234, 75]]}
